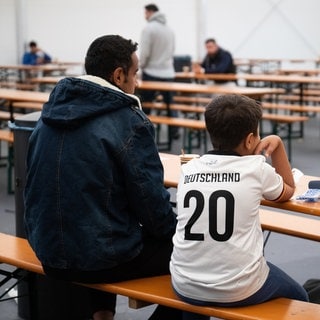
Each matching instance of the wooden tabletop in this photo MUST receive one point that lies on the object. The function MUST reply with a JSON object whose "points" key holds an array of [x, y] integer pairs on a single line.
{"points": [[23, 95], [304, 72], [46, 80], [283, 78], [203, 88], [172, 171], [184, 87], [42, 67]]}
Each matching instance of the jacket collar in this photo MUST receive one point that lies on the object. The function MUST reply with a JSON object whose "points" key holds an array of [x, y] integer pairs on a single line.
{"points": [[107, 84]]}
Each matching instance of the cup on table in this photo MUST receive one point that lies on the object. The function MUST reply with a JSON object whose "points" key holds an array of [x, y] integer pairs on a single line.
{"points": [[186, 69], [184, 158]]}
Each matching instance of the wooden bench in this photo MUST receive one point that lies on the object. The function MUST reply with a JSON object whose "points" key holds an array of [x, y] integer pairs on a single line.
{"points": [[185, 108], [17, 252], [17, 85], [280, 121], [7, 136], [190, 125], [6, 115], [28, 105], [310, 92], [276, 120], [192, 99], [297, 98], [304, 109]]}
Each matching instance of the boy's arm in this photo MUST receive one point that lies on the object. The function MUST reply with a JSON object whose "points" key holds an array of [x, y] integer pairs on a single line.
{"points": [[272, 146]]}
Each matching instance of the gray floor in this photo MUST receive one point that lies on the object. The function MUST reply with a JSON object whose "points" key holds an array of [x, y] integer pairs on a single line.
{"points": [[299, 258]]}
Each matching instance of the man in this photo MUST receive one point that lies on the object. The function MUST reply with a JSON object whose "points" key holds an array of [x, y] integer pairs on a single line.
{"points": [[217, 60], [156, 55], [35, 56], [96, 207]]}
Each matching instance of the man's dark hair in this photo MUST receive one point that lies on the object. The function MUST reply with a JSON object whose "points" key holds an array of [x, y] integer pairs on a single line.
{"points": [[107, 53], [210, 40], [32, 44], [151, 7], [230, 118]]}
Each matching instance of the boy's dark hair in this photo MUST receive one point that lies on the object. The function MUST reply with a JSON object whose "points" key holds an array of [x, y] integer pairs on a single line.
{"points": [[151, 7], [107, 53], [230, 118]]}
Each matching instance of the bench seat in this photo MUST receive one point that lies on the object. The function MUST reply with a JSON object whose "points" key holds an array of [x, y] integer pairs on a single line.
{"points": [[297, 98], [17, 85], [6, 135], [188, 108], [28, 105], [276, 119], [6, 115], [290, 107], [17, 252]]}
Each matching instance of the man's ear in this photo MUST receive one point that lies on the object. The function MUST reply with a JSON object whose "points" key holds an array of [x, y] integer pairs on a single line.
{"points": [[118, 76]]}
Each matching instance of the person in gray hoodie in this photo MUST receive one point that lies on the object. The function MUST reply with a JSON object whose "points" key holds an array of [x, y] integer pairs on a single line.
{"points": [[157, 47]]}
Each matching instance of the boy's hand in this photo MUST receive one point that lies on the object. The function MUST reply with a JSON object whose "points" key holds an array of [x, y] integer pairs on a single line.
{"points": [[268, 145]]}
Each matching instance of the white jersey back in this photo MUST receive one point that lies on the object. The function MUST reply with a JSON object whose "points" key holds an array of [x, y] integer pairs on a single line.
{"points": [[218, 244]]}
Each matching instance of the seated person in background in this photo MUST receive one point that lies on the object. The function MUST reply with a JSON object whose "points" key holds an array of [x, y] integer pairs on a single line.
{"points": [[218, 256], [35, 56], [217, 59]]}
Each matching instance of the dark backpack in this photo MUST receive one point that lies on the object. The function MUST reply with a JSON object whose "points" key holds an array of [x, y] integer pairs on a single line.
{"points": [[312, 287]]}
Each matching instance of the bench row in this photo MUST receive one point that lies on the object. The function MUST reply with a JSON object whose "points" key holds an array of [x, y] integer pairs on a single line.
{"points": [[17, 252]]}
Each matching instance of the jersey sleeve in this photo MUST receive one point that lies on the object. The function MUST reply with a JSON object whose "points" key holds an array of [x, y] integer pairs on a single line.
{"points": [[272, 183]]}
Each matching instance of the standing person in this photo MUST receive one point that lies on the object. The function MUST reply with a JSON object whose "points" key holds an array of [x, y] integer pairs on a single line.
{"points": [[96, 209], [218, 245], [217, 59], [35, 56], [157, 55]]}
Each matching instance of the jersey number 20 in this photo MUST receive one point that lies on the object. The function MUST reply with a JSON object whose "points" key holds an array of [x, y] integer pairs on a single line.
{"points": [[213, 215]]}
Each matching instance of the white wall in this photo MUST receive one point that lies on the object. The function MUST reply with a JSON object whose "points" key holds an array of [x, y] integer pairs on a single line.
{"points": [[248, 28], [8, 47]]}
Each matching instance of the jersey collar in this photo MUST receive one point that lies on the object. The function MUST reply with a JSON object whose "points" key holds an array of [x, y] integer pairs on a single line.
{"points": [[224, 152]]}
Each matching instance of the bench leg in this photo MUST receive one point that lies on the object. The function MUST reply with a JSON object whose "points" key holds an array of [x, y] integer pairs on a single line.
{"points": [[10, 178]]}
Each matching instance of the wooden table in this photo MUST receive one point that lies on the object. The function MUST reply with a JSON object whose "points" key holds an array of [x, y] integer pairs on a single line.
{"points": [[303, 72], [23, 95], [183, 87], [12, 96], [23, 72], [172, 167], [265, 64], [195, 88], [269, 79]]}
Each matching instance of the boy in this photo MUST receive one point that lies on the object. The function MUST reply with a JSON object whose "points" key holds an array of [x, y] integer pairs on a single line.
{"points": [[218, 245]]}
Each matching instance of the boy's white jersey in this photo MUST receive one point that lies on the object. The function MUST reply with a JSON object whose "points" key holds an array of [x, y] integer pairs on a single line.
{"points": [[218, 244]]}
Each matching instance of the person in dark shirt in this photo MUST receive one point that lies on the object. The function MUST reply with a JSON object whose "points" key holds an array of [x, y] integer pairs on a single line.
{"points": [[217, 60]]}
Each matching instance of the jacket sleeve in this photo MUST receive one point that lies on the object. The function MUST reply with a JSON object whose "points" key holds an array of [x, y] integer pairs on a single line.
{"points": [[147, 195]]}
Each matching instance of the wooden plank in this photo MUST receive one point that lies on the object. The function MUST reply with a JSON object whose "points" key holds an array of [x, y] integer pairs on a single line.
{"points": [[290, 107], [17, 252], [6, 135], [289, 224]]}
